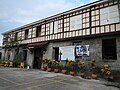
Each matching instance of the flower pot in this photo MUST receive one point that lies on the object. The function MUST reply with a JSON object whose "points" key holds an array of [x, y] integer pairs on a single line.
{"points": [[94, 76], [56, 70], [110, 78], [82, 75], [43, 69], [49, 69], [72, 73], [64, 71]]}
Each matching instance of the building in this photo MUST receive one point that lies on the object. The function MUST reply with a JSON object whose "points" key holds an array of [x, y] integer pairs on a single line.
{"points": [[96, 24]]}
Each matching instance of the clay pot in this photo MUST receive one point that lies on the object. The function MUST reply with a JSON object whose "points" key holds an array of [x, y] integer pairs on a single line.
{"points": [[110, 78], [43, 69], [82, 75], [72, 73], [56, 70], [64, 71], [49, 69], [94, 76]]}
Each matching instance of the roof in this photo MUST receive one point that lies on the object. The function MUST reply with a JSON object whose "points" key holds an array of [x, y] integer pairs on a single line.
{"points": [[57, 15]]}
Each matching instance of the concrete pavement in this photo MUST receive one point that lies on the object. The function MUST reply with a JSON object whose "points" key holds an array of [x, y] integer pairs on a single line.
{"points": [[24, 79]]}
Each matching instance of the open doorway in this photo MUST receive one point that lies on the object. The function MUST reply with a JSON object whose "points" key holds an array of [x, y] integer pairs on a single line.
{"points": [[38, 55], [56, 53], [109, 49]]}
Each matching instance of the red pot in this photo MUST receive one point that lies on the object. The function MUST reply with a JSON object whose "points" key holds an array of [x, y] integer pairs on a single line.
{"points": [[56, 70], [72, 73], [64, 71], [94, 76], [49, 69]]}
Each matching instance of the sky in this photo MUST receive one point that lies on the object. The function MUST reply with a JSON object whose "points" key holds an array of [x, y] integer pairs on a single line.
{"points": [[16, 13]]}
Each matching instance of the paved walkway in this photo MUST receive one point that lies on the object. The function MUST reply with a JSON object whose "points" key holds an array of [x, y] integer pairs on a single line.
{"points": [[23, 79]]}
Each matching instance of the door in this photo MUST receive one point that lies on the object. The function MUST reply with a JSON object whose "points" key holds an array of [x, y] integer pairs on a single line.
{"points": [[38, 55], [56, 53]]}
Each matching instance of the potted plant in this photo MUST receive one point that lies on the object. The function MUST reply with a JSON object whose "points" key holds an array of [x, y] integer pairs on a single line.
{"points": [[10, 64], [106, 72], [82, 68], [49, 66], [56, 66], [64, 69], [71, 65], [93, 69]]}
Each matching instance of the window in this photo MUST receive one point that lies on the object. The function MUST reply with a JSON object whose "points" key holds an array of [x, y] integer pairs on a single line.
{"points": [[109, 49], [55, 26], [34, 32], [47, 28], [85, 20], [109, 15], [19, 35], [26, 34], [66, 24], [95, 18], [43, 29], [76, 22], [23, 35], [38, 31], [60, 25], [51, 28], [30, 33], [16, 34]]}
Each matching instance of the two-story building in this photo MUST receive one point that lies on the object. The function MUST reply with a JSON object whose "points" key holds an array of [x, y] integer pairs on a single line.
{"points": [[96, 24]]}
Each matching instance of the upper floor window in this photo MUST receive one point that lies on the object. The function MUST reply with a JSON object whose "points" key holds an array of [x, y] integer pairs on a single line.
{"points": [[43, 29], [23, 35], [85, 20], [34, 32], [76, 22], [51, 28], [95, 18], [55, 26], [60, 25], [66, 24], [38, 31], [47, 28], [19, 35], [109, 15], [26, 33], [30, 33]]}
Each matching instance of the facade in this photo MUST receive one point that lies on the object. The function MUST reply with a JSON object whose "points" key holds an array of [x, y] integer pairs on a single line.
{"points": [[96, 24]]}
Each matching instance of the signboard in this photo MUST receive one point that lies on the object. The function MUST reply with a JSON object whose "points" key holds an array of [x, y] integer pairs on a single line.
{"points": [[82, 50], [66, 53], [70, 52]]}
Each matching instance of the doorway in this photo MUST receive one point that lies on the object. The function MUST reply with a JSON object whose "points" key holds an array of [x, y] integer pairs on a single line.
{"points": [[109, 49], [38, 55], [56, 53]]}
